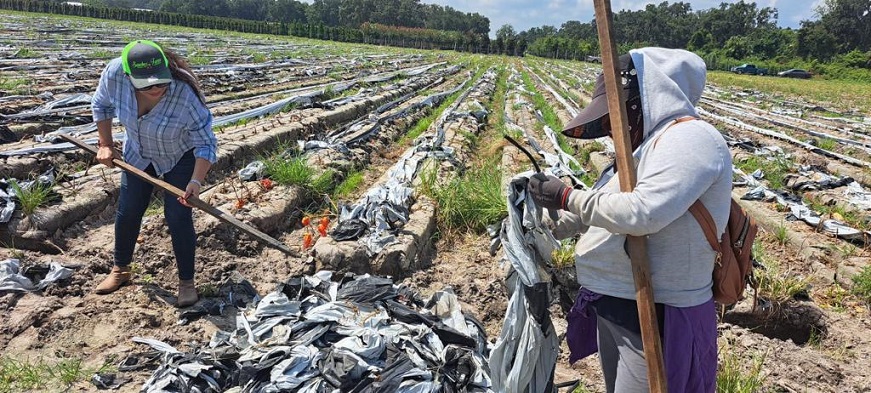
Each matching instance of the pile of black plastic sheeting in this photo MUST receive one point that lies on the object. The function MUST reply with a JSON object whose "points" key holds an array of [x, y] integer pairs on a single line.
{"points": [[356, 334]]}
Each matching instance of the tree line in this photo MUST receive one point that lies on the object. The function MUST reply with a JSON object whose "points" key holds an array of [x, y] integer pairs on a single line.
{"points": [[332, 13], [838, 44]]}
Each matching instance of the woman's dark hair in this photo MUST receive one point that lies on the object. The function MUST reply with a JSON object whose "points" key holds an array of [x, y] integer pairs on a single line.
{"points": [[181, 70]]}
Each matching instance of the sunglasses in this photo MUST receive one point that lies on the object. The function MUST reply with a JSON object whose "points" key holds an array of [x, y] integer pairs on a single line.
{"points": [[147, 88]]}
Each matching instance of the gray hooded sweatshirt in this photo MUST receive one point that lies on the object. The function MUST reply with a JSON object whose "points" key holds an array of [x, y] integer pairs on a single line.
{"points": [[688, 162]]}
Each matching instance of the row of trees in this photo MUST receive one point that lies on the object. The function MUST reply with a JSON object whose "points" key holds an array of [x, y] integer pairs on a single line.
{"points": [[366, 33], [725, 35], [333, 13], [836, 44]]}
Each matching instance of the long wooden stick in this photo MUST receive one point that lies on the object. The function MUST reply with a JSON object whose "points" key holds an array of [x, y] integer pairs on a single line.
{"points": [[626, 171], [193, 201]]}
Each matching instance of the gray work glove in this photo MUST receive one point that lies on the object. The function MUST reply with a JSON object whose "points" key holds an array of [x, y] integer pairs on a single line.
{"points": [[548, 191]]}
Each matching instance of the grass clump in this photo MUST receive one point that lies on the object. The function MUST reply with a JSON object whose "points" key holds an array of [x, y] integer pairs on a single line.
{"points": [[324, 183], [564, 256], [14, 85], [20, 375], [774, 168], [351, 183], [30, 198], [862, 285], [295, 171], [423, 124], [776, 284], [826, 144], [292, 171], [732, 377], [471, 201]]}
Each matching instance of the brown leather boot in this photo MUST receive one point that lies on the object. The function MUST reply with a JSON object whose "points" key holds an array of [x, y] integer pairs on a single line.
{"points": [[187, 293], [116, 278]]}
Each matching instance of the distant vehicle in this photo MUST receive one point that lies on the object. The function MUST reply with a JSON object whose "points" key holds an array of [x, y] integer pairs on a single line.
{"points": [[795, 73], [749, 69]]}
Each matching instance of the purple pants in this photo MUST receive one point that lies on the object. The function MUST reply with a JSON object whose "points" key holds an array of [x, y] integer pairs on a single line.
{"points": [[689, 342]]}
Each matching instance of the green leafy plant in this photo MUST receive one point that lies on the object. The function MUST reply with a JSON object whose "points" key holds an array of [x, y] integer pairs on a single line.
{"points": [[565, 255], [208, 290]]}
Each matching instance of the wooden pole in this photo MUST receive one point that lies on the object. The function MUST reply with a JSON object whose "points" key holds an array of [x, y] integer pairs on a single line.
{"points": [[626, 172], [195, 202]]}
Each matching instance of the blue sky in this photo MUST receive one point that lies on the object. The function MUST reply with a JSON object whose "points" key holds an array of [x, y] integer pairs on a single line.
{"points": [[524, 14]]}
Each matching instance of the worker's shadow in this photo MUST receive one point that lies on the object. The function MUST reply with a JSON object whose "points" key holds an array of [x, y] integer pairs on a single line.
{"points": [[157, 294], [213, 307]]}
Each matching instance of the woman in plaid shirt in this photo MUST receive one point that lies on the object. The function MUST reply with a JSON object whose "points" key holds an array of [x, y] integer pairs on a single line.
{"points": [[169, 134]]}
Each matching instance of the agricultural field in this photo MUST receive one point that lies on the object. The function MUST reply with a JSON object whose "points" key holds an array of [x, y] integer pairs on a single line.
{"points": [[399, 153]]}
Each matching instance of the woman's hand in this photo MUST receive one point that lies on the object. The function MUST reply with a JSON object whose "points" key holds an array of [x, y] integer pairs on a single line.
{"points": [[192, 190], [105, 154]]}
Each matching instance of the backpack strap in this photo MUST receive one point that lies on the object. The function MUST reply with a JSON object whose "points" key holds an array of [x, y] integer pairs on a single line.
{"points": [[700, 212], [678, 120], [698, 209]]}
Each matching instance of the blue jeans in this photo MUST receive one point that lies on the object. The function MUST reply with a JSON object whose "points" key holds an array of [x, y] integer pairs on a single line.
{"points": [[132, 203]]}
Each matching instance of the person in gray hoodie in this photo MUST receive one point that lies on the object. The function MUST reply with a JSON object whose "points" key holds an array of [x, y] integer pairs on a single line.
{"points": [[679, 159]]}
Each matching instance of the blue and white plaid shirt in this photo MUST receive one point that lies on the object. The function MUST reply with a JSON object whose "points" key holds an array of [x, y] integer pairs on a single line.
{"points": [[178, 123]]}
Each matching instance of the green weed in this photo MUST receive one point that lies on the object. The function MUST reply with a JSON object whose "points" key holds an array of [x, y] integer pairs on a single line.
{"points": [[23, 375], [471, 201], [101, 54], [733, 377], [423, 124], [826, 144], [349, 185], [198, 59], [26, 53], [155, 207], [289, 171], [36, 195], [862, 285], [774, 168], [777, 284], [323, 183], [565, 255], [781, 234], [14, 85]]}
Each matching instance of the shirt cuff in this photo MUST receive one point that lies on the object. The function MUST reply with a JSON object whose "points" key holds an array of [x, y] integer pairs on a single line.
{"points": [[100, 115], [206, 153]]}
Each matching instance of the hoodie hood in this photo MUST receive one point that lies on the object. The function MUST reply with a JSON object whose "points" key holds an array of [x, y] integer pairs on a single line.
{"points": [[671, 82]]}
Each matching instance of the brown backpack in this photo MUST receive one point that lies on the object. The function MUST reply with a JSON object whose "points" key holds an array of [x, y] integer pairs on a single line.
{"points": [[734, 265]]}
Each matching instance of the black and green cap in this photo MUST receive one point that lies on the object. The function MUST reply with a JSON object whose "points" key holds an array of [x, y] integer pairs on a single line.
{"points": [[145, 63]]}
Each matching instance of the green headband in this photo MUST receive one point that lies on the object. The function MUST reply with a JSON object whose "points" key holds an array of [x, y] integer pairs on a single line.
{"points": [[129, 46]]}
